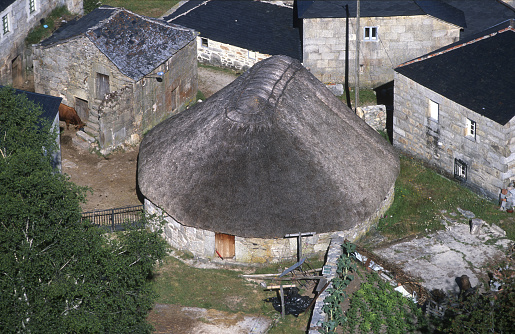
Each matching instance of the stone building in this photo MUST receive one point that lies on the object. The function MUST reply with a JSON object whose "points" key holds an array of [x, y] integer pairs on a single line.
{"points": [[454, 108], [237, 34], [121, 71], [17, 18], [391, 32], [271, 154]]}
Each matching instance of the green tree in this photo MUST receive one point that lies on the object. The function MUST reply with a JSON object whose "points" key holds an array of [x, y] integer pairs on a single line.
{"points": [[57, 274]]}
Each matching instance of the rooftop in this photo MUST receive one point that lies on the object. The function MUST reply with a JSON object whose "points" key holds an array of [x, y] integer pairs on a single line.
{"points": [[135, 44], [477, 72], [252, 25]]}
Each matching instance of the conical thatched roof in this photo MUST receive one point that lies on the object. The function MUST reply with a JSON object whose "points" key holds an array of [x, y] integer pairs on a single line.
{"points": [[272, 153]]}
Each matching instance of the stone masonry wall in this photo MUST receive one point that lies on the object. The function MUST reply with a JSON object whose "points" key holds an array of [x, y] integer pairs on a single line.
{"points": [[12, 44], [127, 113], [489, 158], [69, 70], [375, 116], [225, 55], [401, 38], [256, 250]]}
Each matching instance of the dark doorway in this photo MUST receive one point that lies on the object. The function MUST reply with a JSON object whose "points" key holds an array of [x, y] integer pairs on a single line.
{"points": [[17, 75], [384, 94]]}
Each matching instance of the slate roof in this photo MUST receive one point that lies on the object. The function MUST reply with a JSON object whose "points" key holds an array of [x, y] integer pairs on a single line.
{"points": [[477, 72], [481, 14], [252, 25], [49, 104], [272, 153], [5, 3], [134, 43], [381, 8]]}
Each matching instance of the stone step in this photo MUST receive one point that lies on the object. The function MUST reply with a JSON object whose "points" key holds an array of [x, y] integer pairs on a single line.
{"points": [[93, 113], [92, 127], [84, 136]]}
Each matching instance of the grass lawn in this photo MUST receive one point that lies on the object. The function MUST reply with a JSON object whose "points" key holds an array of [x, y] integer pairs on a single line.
{"points": [[422, 196], [152, 8]]}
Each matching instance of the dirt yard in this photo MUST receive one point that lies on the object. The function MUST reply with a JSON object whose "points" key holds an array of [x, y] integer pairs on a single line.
{"points": [[112, 179]]}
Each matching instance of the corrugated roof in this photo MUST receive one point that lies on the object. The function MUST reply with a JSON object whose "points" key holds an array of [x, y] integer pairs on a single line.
{"points": [[272, 153], [477, 72], [252, 25], [134, 43]]}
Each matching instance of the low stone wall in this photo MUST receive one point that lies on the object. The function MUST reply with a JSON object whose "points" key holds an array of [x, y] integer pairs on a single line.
{"points": [[201, 243], [375, 116]]}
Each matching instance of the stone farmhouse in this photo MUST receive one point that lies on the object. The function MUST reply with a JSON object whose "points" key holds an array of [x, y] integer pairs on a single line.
{"points": [[271, 154], [391, 32], [121, 71], [17, 18], [237, 34], [454, 108]]}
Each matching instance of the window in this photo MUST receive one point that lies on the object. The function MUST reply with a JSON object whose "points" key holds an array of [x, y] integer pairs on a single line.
{"points": [[5, 23], [204, 42], [102, 86], [370, 34], [32, 6], [460, 169], [471, 129], [434, 110]]}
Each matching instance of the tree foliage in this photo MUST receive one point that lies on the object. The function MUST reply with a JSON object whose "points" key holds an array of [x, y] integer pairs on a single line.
{"points": [[57, 274]]}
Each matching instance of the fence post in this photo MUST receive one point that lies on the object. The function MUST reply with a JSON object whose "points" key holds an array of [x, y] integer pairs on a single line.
{"points": [[112, 220]]}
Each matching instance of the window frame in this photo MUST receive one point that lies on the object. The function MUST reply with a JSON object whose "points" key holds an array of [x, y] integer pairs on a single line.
{"points": [[204, 42], [434, 114], [470, 128], [372, 32], [6, 24], [460, 169], [32, 6]]}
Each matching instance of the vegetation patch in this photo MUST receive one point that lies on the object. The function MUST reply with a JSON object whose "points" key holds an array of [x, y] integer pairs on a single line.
{"points": [[151, 8], [423, 197], [48, 25]]}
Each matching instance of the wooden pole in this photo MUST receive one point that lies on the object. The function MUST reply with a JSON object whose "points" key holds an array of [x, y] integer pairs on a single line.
{"points": [[282, 301], [299, 241], [358, 39]]}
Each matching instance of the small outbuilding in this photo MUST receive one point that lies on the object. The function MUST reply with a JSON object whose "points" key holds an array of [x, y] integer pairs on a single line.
{"points": [[271, 154], [121, 71]]}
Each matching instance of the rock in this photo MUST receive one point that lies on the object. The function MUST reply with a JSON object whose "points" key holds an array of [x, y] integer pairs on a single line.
{"points": [[467, 214], [475, 226]]}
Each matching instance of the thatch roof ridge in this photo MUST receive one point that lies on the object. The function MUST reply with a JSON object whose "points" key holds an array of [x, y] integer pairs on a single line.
{"points": [[272, 153]]}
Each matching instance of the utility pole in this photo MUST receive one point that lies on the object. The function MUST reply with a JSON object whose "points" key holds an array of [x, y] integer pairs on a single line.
{"points": [[358, 40], [347, 92]]}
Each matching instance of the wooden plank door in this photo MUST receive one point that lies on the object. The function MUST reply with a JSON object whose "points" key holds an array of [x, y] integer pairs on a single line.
{"points": [[224, 244]]}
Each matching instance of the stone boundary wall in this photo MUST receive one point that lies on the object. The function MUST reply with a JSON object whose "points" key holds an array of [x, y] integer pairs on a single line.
{"points": [[489, 158], [375, 116], [255, 250], [226, 55]]}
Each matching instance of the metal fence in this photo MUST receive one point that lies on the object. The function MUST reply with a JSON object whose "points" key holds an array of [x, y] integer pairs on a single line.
{"points": [[115, 219]]}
